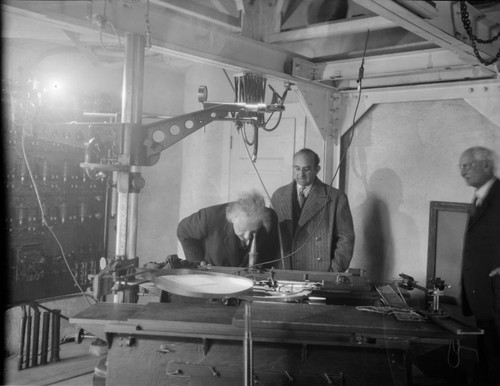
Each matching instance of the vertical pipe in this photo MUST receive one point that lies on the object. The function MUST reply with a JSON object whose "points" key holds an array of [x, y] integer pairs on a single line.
{"points": [[133, 220], [23, 334], [133, 79], [52, 336], [54, 352], [107, 215], [127, 205], [122, 214], [36, 336], [114, 195], [247, 345], [45, 337], [57, 340], [28, 338]]}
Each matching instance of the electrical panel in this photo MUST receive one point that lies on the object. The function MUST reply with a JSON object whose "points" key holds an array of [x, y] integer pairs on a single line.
{"points": [[56, 213]]}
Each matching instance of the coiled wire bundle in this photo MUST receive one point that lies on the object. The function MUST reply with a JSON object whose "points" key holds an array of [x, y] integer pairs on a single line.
{"points": [[249, 88]]}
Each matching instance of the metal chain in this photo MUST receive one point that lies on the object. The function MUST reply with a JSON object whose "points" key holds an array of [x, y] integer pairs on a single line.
{"points": [[473, 38]]}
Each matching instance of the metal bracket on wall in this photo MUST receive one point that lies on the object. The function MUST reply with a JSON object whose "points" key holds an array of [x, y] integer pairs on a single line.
{"points": [[319, 106], [306, 70]]}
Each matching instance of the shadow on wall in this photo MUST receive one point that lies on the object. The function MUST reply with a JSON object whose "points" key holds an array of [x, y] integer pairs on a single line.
{"points": [[382, 229]]}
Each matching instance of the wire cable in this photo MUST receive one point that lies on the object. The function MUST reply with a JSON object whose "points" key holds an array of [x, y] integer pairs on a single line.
{"points": [[42, 213], [101, 21], [360, 88], [360, 79], [277, 123], [455, 347], [283, 257], [360, 76]]}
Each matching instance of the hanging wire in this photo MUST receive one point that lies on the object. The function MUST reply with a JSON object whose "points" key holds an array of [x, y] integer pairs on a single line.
{"points": [[229, 80], [454, 347], [246, 91], [360, 88], [44, 219], [323, 212], [243, 90], [25, 126], [276, 125], [148, 27], [101, 21]]}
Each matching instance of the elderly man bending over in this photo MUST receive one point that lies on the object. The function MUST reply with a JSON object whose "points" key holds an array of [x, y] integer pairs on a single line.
{"points": [[220, 235]]}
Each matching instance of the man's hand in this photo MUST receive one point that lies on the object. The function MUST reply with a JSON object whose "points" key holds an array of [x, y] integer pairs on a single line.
{"points": [[495, 272]]}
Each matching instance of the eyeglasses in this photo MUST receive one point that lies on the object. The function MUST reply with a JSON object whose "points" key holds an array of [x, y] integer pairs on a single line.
{"points": [[305, 169], [468, 166]]}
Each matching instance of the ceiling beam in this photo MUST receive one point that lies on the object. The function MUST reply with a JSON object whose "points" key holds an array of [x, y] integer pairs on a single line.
{"points": [[331, 29], [290, 9], [261, 18], [209, 14], [172, 34], [418, 67], [439, 30], [352, 45], [482, 95], [219, 6]]}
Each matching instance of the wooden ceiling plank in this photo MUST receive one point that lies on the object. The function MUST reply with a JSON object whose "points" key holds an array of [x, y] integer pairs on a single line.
{"points": [[201, 12], [260, 19], [430, 31], [334, 28], [290, 9]]}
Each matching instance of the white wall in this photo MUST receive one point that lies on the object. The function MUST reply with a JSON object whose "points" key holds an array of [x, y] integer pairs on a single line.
{"points": [[205, 152], [403, 156], [159, 199]]}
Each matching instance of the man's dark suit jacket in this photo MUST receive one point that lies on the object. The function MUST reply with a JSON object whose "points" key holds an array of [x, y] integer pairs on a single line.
{"points": [[208, 236], [481, 254], [323, 238]]}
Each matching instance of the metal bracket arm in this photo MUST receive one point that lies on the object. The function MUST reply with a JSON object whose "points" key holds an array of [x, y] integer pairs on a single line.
{"points": [[165, 133]]}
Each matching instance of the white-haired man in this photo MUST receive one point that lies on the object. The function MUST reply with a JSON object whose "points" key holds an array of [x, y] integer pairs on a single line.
{"points": [[220, 235], [481, 259]]}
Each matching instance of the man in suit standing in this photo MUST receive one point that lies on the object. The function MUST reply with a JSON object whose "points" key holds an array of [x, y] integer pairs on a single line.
{"points": [[315, 219], [481, 259], [221, 235]]}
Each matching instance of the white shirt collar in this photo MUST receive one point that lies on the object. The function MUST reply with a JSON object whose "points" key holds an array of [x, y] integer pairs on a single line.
{"points": [[482, 192], [307, 189]]}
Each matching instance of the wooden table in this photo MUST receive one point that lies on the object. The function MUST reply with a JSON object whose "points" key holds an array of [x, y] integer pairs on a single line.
{"points": [[200, 343]]}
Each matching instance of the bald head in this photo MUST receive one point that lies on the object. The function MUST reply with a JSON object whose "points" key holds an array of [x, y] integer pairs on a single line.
{"points": [[477, 166], [305, 167]]}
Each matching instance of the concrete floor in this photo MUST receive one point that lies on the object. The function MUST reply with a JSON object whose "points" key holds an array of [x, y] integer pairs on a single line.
{"points": [[79, 365], [75, 368]]}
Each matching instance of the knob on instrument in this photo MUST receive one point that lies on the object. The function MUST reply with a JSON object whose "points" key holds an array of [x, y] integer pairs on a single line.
{"points": [[202, 94]]}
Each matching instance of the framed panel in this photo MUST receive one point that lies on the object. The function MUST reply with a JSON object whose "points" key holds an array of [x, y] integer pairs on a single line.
{"points": [[447, 223]]}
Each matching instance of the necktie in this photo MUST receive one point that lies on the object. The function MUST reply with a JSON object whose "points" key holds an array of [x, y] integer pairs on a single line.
{"points": [[301, 197], [475, 205]]}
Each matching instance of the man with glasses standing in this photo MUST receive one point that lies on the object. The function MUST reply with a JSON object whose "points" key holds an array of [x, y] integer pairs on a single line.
{"points": [[481, 260], [315, 219]]}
